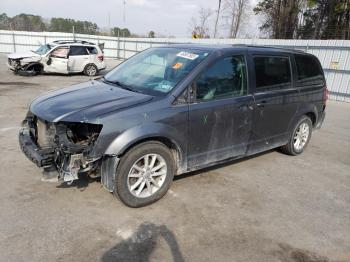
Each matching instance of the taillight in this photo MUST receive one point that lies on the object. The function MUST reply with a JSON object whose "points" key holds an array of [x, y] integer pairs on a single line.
{"points": [[100, 57], [325, 94]]}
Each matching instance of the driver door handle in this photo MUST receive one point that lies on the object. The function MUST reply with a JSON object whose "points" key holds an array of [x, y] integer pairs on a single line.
{"points": [[261, 104]]}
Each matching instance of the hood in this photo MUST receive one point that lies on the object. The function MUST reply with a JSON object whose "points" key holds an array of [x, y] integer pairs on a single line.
{"points": [[23, 55], [84, 102]]}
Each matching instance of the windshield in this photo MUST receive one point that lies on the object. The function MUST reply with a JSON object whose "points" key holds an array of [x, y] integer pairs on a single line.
{"points": [[43, 49], [156, 71]]}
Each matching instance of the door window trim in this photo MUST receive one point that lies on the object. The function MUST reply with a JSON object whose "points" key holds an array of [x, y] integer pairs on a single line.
{"points": [[62, 46], [194, 100], [292, 87]]}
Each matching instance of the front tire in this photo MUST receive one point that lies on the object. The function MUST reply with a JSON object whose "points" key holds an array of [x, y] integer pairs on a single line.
{"points": [[145, 174], [299, 138]]}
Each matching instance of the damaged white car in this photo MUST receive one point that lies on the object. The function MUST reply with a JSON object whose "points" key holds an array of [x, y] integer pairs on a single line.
{"points": [[61, 56]]}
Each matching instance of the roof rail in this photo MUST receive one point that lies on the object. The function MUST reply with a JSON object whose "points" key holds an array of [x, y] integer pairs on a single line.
{"points": [[284, 47], [73, 41]]}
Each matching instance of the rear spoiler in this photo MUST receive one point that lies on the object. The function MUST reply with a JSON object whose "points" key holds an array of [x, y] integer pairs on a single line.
{"points": [[101, 46]]}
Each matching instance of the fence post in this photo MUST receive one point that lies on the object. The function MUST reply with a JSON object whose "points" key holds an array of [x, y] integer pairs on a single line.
{"points": [[124, 45], [136, 47], [45, 39], [73, 31], [118, 47], [14, 41]]}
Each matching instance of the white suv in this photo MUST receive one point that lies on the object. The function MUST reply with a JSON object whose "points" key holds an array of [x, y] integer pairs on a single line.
{"points": [[61, 56]]}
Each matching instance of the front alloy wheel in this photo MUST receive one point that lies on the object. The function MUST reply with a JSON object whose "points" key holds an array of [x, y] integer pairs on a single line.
{"points": [[144, 174], [147, 175]]}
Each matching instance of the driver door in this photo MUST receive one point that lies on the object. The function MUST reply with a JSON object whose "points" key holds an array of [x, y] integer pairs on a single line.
{"points": [[220, 119], [57, 61]]}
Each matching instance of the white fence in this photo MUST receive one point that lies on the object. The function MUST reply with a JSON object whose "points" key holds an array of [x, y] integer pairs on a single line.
{"points": [[333, 54]]}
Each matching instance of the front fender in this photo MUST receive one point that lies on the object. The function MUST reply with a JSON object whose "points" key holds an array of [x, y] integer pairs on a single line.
{"points": [[148, 130]]}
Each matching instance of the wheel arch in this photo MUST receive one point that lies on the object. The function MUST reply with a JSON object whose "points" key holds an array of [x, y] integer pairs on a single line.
{"points": [[38, 67], [112, 157], [309, 110], [150, 132]]}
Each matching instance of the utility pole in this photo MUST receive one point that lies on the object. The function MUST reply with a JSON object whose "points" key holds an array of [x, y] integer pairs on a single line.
{"points": [[124, 16], [217, 19], [109, 24]]}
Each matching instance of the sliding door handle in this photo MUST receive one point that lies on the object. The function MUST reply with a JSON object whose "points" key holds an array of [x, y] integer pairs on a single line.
{"points": [[261, 104]]}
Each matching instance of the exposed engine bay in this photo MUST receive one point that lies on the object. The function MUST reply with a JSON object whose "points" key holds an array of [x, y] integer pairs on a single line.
{"points": [[64, 146], [26, 66]]}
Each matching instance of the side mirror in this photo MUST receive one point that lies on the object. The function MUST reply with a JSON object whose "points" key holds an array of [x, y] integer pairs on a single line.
{"points": [[49, 61]]}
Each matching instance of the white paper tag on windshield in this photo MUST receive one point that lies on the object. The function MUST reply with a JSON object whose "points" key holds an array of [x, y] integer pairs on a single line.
{"points": [[187, 55]]}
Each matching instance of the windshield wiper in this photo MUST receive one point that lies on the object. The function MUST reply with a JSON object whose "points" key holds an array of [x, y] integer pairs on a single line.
{"points": [[122, 85]]}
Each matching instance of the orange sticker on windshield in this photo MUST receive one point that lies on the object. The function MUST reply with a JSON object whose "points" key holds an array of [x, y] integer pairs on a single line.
{"points": [[178, 65]]}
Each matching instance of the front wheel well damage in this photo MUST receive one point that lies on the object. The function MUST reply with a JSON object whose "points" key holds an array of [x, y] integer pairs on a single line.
{"points": [[37, 67], [175, 150], [110, 162], [30, 69]]}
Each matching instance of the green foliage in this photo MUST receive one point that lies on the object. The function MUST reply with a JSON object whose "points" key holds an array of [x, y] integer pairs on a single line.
{"points": [[151, 34], [66, 25], [4, 22], [305, 19], [24, 22], [116, 31], [27, 22]]}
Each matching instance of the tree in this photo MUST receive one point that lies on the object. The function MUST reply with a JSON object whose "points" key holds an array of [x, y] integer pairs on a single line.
{"points": [[66, 25], [125, 32], [235, 9], [326, 19], [5, 22], [26, 22], [151, 34], [281, 17], [217, 19], [199, 25]]}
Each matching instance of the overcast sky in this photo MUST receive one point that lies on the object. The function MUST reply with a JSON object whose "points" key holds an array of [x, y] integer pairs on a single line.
{"points": [[165, 17]]}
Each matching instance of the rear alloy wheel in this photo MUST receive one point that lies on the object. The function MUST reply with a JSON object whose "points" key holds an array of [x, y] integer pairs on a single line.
{"points": [[144, 174], [90, 70], [300, 137]]}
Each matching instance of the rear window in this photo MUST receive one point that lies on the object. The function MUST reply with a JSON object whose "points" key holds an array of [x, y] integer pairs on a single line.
{"points": [[308, 67], [272, 73], [77, 50], [92, 50]]}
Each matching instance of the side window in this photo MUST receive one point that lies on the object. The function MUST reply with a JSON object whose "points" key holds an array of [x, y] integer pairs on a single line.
{"points": [[224, 79], [92, 50], [60, 52], [272, 73], [308, 68], [77, 50]]}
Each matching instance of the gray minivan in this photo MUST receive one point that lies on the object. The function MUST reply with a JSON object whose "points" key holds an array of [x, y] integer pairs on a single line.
{"points": [[174, 109]]}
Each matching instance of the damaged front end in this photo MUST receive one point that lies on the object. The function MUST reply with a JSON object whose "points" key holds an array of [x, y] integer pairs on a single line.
{"points": [[64, 146], [25, 66]]}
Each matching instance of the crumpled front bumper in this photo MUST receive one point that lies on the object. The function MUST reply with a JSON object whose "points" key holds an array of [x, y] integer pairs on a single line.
{"points": [[41, 157]]}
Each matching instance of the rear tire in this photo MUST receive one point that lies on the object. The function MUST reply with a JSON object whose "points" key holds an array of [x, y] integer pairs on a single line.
{"points": [[90, 70], [299, 138], [144, 174]]}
